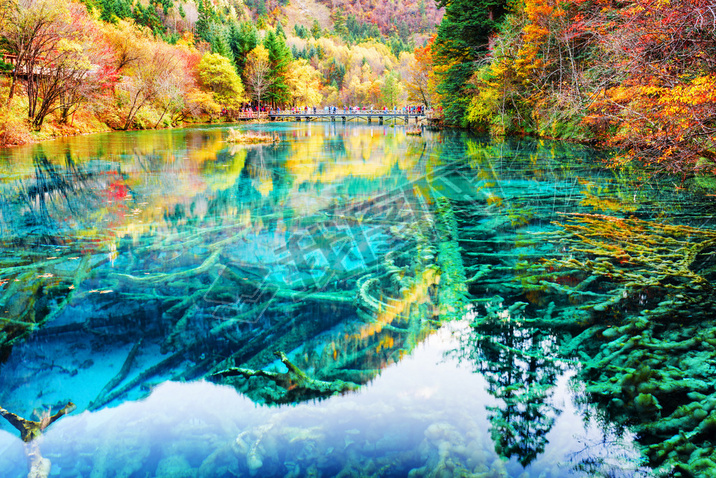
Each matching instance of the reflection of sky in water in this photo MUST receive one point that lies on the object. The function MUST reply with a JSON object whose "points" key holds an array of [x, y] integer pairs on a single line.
{"points": [[427, 410]]}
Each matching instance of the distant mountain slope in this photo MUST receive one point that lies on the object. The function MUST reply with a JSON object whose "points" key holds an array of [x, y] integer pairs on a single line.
{"points": [[360, 18], [404, 17], [304, 12]]}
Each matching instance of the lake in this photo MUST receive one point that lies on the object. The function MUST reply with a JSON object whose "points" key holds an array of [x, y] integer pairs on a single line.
{"points": [[352, 301]]}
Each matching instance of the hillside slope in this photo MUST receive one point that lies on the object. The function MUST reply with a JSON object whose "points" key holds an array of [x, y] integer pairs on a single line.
{"points": [[304, 12], [403, 17], [360, 18]]}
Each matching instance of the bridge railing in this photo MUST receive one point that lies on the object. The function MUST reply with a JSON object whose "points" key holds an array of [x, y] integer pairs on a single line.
{"points": [[251, 115], [41, 66], [8, 58], [341, 112], [433, 115]]}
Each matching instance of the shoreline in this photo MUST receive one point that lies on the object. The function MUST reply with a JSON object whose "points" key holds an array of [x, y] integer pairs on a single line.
{"points": [[79, 132]]}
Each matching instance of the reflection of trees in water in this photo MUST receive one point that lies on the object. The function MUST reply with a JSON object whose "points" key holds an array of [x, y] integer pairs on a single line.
{"points": [[217, 282], [39, 216], [629, 298], [226, 276], [243, 308], [519, 187], [518, 364], [43, 205], [524, 383], [516, 359]]}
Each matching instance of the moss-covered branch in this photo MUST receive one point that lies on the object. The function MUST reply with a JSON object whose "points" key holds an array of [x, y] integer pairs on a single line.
{"points": [[296, 383]]}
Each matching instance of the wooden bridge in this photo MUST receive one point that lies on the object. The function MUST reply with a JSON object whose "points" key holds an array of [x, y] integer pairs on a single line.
{"points": [[345, 116], [8, 58]]}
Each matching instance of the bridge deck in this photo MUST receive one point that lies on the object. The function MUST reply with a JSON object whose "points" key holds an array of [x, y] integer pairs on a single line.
{"points": [[348, 116]]}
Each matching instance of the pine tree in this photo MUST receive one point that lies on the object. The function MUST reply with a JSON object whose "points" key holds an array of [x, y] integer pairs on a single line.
{"points": [[149, 17], [336, 73], [109, 11], [280, 58], [339, 23], [220, 41], [462, 40], [202, 28], [243, 38], [261, 8], [279, 30], [316, 29]]}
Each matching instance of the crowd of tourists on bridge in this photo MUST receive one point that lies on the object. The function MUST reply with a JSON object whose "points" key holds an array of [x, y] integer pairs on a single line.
{"points": [[253, 111], [413, 110]]}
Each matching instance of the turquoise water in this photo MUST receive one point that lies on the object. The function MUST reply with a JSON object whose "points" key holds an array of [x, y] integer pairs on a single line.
{"points": [[146, 275]]}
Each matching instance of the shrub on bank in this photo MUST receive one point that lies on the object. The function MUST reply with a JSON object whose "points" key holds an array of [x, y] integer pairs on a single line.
{"points": [[14, 128]]}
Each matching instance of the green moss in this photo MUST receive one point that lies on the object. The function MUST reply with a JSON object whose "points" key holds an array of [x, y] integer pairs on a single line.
{"points": [[648, 367], [705, 181]]}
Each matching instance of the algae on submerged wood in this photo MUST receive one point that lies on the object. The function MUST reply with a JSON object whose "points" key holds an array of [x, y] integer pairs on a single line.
{"points": [[297, 384], [651, 341]]}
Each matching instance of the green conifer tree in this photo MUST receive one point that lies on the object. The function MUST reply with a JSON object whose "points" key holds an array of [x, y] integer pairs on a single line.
{"points": [[462, 40], [339, 23], [202, 28], [279, 30], [280, 58], [316, 29], [108, 11], [220, 41], [243, 38]]}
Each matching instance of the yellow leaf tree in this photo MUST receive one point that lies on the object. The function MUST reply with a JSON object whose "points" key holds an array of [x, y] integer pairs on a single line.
{"points": [[218, 74], [305, 83], [257, 72]]}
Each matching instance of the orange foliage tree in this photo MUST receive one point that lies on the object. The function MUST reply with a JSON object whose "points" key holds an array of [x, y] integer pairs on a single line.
{"points": [[422, 84], [660, 107]]}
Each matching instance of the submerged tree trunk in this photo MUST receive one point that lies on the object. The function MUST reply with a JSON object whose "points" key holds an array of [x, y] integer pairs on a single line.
{"points": [[31, 433]]}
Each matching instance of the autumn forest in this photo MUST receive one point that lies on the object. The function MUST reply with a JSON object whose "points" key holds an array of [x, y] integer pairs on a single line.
{"points": [[512, 274], [633, 75]]}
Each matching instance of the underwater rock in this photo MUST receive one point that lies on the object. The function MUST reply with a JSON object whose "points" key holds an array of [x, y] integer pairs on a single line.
{"points": [[121, 457], [40, 468], [646, 404], [260, 449], [175, 466], [390, 442], [254, 460], [224, 461], [440, 449]]}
